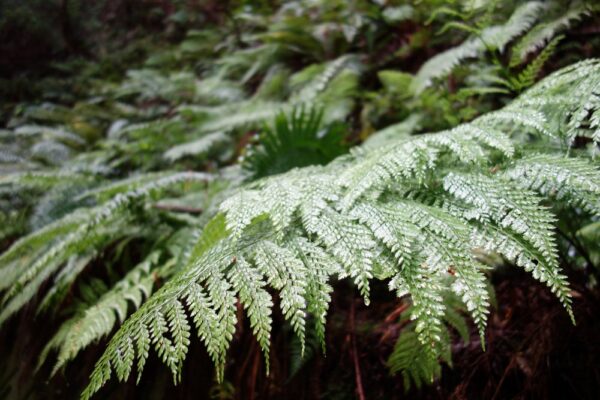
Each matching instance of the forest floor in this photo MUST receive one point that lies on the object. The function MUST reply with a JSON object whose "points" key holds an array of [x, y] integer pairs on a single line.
{"points": [[533, 351]]}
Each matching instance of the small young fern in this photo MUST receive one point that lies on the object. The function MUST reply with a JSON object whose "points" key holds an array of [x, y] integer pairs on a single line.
{"points": [[415, 213], [296, 140]]}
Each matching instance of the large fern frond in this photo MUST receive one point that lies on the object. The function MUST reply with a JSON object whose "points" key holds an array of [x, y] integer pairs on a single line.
{"points": [[411, 212]]}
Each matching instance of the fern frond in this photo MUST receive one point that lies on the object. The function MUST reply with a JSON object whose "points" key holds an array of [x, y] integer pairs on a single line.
{"points": [[74, 234], [585, 119], [519, 251], [42, 179], [286, 273], [197, 148], [249, 283], [211, 305], [543, 32], [519, 22], [507, 206], [573, 181], [350, 243], [417, 366], [413, 159], [494, 37], [26, 282], [109, 190], [100, 318], [228, 117], [240, 209], [449, 250], [409, 358], [36, 240], [413, 213], [320, 83], [319, 266], [517, 213], [254, 112], [528, 76], [58, 134]]}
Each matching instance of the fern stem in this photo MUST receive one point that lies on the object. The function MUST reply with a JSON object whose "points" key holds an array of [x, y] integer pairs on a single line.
{"points": [[577, 246], [357, 375]]}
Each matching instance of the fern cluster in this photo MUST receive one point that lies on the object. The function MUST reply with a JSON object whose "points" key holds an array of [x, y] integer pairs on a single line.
{"points": [[412, 212], [285, 208], [533, 23], [63, 247]]}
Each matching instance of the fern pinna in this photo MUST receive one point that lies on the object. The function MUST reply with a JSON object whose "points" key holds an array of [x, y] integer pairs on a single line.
{"points": [[418, 212]]}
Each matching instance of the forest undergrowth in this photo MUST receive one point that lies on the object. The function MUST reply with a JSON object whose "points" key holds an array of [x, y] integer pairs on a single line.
{"points": [[299, 200]]}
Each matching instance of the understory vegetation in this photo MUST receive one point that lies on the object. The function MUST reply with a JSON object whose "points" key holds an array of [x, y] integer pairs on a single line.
{"points": [[299, 199]]}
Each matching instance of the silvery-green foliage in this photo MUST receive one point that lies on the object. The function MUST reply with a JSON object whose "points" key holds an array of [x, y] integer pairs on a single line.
{"points": [[492, 37], [416, 213], [45, 252]]}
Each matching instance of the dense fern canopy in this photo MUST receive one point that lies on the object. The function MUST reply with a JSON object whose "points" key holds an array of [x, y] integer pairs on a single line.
{"points": [[411, 212], [239, 180]]}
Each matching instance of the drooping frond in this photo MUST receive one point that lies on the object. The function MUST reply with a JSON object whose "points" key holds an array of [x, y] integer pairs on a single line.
{"points": [[249, 283], [517, 216], [210, 300], [52, 246], [286, 273], [350, 243], [99, 319]]}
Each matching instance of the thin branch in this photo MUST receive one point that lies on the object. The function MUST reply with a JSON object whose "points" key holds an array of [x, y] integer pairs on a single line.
{"points": [[176, 208], [359, 387], [577, 246]]}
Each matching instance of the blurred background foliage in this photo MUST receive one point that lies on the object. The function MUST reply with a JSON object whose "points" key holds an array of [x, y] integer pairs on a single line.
{"points": [[56, 38]]}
